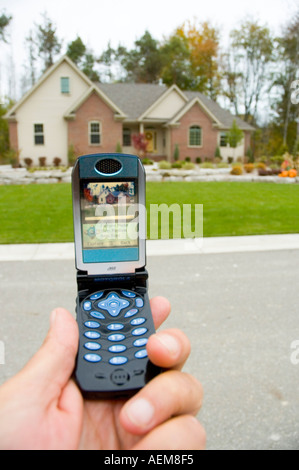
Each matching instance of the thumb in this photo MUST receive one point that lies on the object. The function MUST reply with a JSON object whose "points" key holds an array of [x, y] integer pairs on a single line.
{"points": [[51, 367]]}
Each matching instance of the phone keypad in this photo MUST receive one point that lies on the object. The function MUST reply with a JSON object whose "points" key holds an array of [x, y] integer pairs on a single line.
{"points": [[118, 341]]}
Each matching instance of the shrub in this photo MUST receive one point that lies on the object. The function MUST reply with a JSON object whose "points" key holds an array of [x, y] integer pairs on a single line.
{"points": [[118, 148], [42, 161], [207, 165], [71, 155], [188, 159], [249, 167], [56, 161], [198, 160], [236, 170], [230, 160], [261, 166], [164, 165], [28, 162], [147, 161], [218, 153], [263, 172], [277, 160], [189, 166], [176, 154], [177, 164], [222, 165]]}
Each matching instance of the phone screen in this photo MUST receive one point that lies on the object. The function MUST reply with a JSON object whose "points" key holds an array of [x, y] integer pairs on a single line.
{"points": [[109, 221]]}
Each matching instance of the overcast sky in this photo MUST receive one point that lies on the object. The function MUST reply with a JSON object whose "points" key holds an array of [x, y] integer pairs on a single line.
{"points": [[123, 21]]}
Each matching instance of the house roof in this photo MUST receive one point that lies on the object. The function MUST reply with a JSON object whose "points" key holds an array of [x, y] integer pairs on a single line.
{"points": [[132, 98], [225, 117], [135, 99], [132, 102]]}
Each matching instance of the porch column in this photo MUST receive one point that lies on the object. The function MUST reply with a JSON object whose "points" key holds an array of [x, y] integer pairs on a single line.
{"points": [[141, 128]]}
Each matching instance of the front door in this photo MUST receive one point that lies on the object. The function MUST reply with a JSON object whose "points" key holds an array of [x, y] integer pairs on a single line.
{"points": [[151, 137]]}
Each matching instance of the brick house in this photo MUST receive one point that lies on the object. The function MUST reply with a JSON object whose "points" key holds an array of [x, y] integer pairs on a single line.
{"points": [[65, 110]]}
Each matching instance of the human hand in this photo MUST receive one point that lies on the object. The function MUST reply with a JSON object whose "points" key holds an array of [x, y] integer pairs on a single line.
{"points": [[42, 408]]}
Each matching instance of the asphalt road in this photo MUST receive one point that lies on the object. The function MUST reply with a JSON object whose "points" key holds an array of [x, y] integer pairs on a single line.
{"points": [[240, 311]]}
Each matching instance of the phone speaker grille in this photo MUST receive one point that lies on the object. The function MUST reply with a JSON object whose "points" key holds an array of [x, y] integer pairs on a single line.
{"points": [[108, 166]]}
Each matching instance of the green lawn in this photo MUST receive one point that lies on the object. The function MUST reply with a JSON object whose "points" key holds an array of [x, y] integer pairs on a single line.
{"points": [[43, 213]]}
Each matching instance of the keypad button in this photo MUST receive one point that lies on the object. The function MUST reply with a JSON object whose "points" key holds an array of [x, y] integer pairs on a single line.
{"points": [[128, 294], [138, 321], [139, 331], [97, 315], [92, 324], [92, 335], [118, 360], [92, 346], [140, 342], [115, 327], [131, 313], [87, 306], [116, 337], [117, 348], [97, 296], [94, 358], [139, 303], [141, 354], [113, 304]]}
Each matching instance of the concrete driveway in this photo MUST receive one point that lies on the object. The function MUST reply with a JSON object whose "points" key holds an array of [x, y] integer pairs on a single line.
{"points": [[236, 299]]}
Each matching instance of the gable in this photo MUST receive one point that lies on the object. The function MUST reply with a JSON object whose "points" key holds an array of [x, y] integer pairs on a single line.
{"points": [[196, 102], [167, 107], [47, 91]]}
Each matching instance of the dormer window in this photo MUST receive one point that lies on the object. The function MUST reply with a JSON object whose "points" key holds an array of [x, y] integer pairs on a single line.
{"points": [[65, 85]]}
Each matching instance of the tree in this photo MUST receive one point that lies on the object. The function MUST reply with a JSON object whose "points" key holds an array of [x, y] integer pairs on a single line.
{"points": [[234, 135], [247, 67], [175, 57], [47, 42], [83, 58], [30, 67], [143, 63], [4, 22], [76, 51], [203, 45], [287, 73]]}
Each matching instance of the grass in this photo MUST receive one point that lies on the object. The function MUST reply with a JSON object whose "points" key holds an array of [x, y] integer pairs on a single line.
{"points": [[43, 213]]}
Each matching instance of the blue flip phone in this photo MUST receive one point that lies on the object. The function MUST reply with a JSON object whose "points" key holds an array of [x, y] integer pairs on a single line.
{"points": [[112, 307]]}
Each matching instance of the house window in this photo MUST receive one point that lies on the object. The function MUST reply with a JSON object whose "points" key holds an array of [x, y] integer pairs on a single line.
{"points": [[64, 84], [94, 133], [223, 139], [39, 138], [195, 136], [126, 137]]}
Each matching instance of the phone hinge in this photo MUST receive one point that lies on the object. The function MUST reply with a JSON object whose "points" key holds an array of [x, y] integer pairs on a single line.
{"points": [[92, 283]]}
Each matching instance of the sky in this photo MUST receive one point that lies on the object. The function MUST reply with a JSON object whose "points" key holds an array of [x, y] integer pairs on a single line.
{"points": [[99, 22]]}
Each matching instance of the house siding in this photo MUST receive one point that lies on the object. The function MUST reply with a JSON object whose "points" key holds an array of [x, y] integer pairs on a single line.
{"points": [[47, 106], [180, 135], [94, 109]]}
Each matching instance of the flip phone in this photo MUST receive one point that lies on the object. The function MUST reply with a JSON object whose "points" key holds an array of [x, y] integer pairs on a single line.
{"points": [[112, 307]]}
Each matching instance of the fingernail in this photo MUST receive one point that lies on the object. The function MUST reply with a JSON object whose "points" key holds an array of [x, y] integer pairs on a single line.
{"points": [[53, 317], [140, 412], [170, 343]]}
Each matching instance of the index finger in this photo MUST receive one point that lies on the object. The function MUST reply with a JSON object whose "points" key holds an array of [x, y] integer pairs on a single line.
{"points": [[160, 307]]}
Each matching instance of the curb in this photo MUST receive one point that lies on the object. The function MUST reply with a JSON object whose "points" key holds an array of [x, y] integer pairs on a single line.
{"points": [[214, 245]]}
